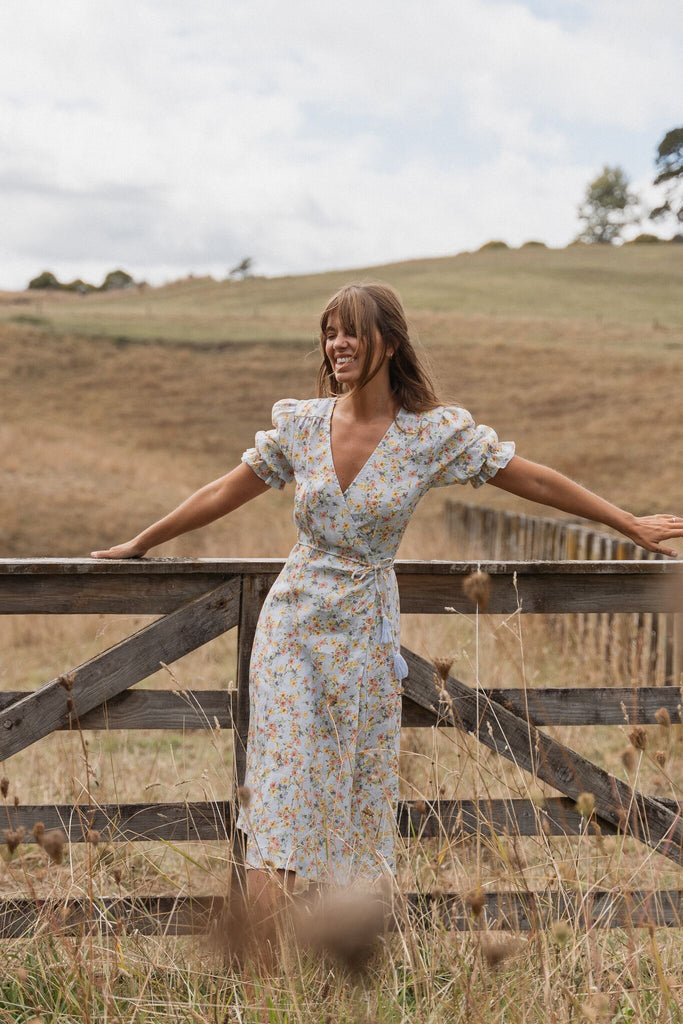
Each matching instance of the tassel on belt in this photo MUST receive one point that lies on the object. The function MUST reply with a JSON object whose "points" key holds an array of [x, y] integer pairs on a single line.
{"points": [[362, 570]]}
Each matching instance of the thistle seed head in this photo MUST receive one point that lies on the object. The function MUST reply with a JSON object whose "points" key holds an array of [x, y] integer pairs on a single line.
{"points": [[13, 837], [628, 758], [497, 948], [244, 795], [443, 667], [638, 738], [585, 804], [477, 589], [560, 932], [663, 718], [53, 844], [346, 924], [476, 900]]}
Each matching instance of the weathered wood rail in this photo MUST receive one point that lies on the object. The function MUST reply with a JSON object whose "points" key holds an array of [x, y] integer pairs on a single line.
{"points": [[646, 642], [200, 599]]}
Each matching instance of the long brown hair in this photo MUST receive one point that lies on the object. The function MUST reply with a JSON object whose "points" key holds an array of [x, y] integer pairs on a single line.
{"points": [[364, 309]]}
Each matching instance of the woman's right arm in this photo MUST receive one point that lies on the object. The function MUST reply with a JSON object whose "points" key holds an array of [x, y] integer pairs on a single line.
{"points": [[204, 506]]}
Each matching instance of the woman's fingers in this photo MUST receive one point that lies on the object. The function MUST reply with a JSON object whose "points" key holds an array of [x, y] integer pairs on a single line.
{"points": [[129, 550], [652, 531]]}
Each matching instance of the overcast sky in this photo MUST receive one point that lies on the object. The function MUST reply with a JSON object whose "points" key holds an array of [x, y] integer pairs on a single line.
{"points": [[170, 137]]}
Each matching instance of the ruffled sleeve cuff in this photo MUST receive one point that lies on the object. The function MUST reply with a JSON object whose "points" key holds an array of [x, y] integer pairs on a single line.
{"points": [[464, 452], [497, 456], [271, 456]]}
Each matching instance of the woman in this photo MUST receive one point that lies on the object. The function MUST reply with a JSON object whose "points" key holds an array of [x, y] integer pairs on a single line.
{"points": [[326, 669]]}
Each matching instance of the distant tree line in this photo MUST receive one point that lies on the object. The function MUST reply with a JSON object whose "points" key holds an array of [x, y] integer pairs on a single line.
{"points": [[609, 205], [115, 280]]}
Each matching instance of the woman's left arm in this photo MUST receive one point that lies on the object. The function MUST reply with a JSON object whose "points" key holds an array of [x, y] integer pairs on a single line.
{"points": [[545, 485]]}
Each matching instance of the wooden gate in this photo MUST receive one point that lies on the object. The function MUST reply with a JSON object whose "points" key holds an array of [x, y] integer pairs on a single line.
{"points": [[198, 600]]}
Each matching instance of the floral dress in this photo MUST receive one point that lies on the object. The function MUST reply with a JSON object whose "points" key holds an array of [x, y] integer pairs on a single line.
{"points": [[326, 667]]}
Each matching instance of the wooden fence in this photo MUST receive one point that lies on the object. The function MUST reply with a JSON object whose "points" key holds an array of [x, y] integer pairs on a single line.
{"points": [[197, 600], [645, 643]]}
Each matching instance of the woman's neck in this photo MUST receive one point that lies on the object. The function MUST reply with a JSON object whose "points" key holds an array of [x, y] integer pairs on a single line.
{"points": [[374, 401]]}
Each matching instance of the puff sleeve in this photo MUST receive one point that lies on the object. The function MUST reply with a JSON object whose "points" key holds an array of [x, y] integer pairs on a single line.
{"points": [[271, 456], [461, 451]]}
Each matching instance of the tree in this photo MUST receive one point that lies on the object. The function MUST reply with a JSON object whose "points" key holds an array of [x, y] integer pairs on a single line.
{"points": [[45, 280], [242, 269], [669, 164], [607, 207], [116, 279]]}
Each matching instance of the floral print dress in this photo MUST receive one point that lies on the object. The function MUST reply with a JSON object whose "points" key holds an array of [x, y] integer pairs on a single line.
{"points": [[326, 667]]}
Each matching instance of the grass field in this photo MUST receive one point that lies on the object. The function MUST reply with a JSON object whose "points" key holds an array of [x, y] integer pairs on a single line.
{"points": [[115, 407], [587, 285]]}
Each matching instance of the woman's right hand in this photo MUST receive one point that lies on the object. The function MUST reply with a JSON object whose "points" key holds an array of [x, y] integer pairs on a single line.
{"points": [[132, 549]]}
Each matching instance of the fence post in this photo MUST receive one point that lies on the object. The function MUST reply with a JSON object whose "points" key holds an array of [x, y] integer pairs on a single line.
{"points": [[253, 593], [677, 659]]}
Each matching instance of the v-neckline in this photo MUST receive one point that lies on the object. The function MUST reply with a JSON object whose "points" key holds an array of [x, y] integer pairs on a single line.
{"points": [[370, 457]]}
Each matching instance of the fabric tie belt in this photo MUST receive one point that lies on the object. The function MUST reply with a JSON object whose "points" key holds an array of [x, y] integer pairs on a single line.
{"points": [[362, 570]]}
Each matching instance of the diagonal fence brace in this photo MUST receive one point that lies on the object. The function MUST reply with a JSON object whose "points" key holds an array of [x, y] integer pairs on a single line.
{"points": [[72, 695], [518, 740]]}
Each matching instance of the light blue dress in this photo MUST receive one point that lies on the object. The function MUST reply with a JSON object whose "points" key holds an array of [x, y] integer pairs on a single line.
{"points": [[326, 668]]}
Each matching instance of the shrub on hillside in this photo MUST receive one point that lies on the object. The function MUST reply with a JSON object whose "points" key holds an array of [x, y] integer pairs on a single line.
{"points": [[79, 286], [533, 244], [494, 244], [116, 279], [643, 239], [44, 280]]}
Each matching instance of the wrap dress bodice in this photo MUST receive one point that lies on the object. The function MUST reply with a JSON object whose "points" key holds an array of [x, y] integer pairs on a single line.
{"points": [[326, 668]]}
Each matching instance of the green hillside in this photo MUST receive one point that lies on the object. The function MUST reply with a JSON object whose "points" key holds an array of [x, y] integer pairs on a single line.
{"points": [[631, 285]]}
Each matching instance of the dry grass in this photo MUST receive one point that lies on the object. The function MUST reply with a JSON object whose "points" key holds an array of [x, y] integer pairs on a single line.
{"points": [[99, 437]]}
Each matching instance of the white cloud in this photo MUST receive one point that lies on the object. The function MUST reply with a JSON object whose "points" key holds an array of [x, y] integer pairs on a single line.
{"points": [[172, 138]]}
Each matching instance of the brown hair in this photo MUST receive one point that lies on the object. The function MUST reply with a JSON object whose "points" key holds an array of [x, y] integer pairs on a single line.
{"points": [[364, 309]]}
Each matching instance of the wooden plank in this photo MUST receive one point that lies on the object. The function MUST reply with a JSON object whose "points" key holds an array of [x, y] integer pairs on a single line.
{"points": [[106, 675], [590, 705], [458, 819], [194, 915], [151, 915], [151, 709], [214, 821], [522, 743], [541, 592], [118, 823], [176, 568], [208, 709], [154, 586], [523, 911], [103, 595]]}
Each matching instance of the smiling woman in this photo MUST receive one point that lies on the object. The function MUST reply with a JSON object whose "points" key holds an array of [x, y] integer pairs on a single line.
{"points": [[326, 667], [368, 324]]}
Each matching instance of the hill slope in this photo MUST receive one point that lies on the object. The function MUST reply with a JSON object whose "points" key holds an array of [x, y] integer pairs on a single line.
{"points": [[575, 355], [634, 284]]}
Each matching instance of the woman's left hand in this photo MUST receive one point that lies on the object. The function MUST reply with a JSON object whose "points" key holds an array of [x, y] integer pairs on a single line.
{"points": [[650, 531]]}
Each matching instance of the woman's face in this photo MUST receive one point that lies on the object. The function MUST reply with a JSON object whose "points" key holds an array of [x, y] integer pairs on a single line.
{"points": [[346, 353]]}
